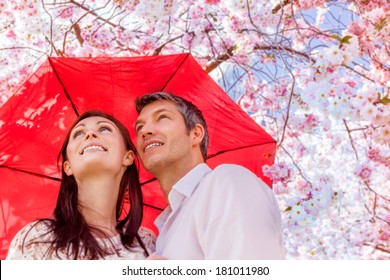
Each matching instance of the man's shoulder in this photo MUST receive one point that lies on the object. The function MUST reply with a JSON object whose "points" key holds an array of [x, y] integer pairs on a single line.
{"points": [[234, 177], [232, 170]]}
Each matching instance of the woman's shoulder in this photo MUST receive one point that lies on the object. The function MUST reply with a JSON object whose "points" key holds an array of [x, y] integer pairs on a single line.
{"points": [[30, 241], [148, 237], [136, 251], [33, 231], [147, 233]]}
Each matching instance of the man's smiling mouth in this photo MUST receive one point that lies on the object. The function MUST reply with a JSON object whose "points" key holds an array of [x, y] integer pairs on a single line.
{"points": [[152, 145]]}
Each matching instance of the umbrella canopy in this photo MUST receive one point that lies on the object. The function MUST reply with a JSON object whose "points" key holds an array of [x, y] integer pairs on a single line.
{"points": [[34, 121]]}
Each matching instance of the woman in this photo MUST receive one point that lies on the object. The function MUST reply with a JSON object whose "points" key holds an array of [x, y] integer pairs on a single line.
{"points": [[98, 173]]}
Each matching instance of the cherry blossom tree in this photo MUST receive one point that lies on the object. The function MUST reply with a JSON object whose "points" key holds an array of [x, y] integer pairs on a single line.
{"points": [[315, 74]]}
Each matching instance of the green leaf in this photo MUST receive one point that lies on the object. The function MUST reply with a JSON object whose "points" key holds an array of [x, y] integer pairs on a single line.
{"points": [[385, 100], [345, 40], [381, 25], [337, 37], [213, 17]]}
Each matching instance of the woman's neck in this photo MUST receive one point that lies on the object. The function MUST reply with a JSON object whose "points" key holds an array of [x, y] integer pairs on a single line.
{"points": [[98, 198]]}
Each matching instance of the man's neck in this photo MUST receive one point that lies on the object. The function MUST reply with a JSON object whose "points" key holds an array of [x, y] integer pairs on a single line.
{"points": [[169, 177]]}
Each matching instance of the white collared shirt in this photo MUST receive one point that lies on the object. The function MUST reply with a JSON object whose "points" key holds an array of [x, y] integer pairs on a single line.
{"points": [[225, 213]]}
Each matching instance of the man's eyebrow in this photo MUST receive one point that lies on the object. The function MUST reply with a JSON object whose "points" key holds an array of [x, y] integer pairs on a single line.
{"points": [[137, 122], [154, 113]]}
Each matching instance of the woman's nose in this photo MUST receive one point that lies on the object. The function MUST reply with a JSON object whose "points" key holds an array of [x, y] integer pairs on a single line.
{"points": [[90, 134]]}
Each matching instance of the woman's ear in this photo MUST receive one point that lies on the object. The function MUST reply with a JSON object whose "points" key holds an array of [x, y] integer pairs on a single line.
{"points": [[197, 134], [128, 158], [67, 168]]}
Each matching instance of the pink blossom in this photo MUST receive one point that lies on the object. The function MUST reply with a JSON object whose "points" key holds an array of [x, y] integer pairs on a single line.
{"points": [[364, 172], [351, 83], [11, 34], [212, 2], [384, 236], [356, 28], [66, 13], [278, 172], [308, 4]]}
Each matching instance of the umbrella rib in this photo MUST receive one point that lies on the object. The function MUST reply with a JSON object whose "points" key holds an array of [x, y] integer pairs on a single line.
{"points": [[31, 173], [154, 207], [63, 86], [148, 181], [174, 73], [239, 148]]}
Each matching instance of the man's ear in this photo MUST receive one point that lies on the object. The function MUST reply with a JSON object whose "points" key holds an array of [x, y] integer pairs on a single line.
{"points": [[67, 168], [197, 134], [128, 158]]}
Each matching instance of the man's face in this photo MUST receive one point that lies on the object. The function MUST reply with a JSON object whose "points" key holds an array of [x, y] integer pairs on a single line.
{"points": [[162, 137]]}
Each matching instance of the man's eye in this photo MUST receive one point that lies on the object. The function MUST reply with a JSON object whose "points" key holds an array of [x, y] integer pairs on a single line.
{"points": [[162, 117], [138, 128]]}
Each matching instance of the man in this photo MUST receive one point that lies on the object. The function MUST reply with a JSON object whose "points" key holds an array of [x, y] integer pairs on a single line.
{"points": [[225, 213]]}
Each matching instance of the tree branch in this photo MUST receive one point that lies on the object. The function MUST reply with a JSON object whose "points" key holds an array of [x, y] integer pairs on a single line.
{"points": [[96, 15], [280, 6], [159, 49], [220, 59], [350, 138], [360, 74], [77, 31], [288, 114], [283, 48], [379, 195], [296, 166], [224, 57]]}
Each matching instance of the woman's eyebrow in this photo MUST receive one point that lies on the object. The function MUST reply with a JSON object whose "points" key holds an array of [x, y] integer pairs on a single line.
{"points": [[80, 124], [110, 123]]}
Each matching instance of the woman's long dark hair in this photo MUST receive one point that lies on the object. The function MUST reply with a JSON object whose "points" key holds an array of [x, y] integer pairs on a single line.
{"points": [[71, 233]]}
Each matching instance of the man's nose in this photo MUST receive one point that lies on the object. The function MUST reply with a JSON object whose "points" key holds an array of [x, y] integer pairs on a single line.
{"points": [[146, 130]]}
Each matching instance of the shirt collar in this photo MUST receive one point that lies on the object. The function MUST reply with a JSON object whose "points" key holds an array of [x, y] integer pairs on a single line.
{"points": [[186, 185], [182, 189], [161, 219]]}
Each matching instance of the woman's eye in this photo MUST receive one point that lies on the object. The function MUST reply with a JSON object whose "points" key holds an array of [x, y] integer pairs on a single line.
{"points": [[105, 128], [77, 134]]}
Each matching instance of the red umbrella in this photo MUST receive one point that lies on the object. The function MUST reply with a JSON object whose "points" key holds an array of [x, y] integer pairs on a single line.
{"points": [[35, 119]]}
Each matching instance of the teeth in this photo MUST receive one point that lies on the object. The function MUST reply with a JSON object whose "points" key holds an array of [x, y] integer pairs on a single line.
{"points": [[152, 145], [93, 147]]}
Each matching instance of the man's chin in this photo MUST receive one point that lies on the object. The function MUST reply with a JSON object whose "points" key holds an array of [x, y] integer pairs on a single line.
{"points": [[154, 166]]}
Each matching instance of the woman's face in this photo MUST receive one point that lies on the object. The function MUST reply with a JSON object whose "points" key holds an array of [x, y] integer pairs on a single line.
{"points": [[96, 147]]}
